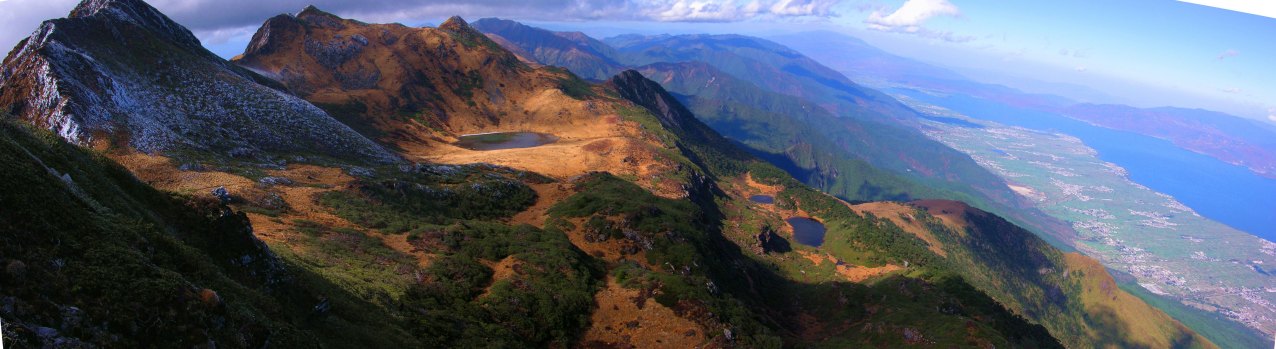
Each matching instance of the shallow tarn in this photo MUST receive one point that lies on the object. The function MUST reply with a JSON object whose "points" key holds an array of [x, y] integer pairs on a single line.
{"points": [[807, 231], [762, 199], [504, 140]]}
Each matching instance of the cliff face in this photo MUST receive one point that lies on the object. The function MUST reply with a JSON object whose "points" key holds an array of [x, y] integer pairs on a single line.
{"points": [[120, 73]]}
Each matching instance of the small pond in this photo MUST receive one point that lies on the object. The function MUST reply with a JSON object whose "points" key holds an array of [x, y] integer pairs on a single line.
{"points": [[762, 199], [807, 231], [504, 140]]}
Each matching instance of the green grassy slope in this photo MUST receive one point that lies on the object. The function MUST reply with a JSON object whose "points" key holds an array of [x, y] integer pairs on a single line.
{"points": [[93, 255]]}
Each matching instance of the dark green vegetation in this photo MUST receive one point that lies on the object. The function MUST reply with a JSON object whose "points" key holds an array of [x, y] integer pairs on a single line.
{"points": [[699, 272], [858, 239], [1021, 271], [696, 275], [702, 256], [452, 212], [147, 269], [824, 129], [546, 303], [786, 131], [420, 196], [573, 85], [97, 256]]}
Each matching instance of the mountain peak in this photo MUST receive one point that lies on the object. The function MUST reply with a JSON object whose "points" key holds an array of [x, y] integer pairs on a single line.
{"points": [[313, 11], [139, 13], [454, 24]]}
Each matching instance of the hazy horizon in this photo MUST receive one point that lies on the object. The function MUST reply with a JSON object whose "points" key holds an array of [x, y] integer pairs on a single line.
{"points": [[1144, 53]]}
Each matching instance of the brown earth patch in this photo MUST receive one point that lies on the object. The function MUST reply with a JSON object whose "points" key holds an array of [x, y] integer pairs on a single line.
{"points": [[308, 182], [620, 322], [609, 250], [161, 173], [501, 270], [762, 188], [814, 258], [547, 195], [953, 213], [896, 213], [856, 273]]}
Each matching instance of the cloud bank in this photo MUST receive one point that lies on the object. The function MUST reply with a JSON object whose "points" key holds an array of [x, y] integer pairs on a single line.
{"points": [[909, 18]]}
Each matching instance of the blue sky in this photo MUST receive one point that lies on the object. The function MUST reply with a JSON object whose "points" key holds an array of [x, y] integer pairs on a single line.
{"points": [[1146, 53], [1149, 52]]}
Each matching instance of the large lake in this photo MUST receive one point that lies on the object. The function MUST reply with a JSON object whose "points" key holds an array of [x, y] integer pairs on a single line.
{"points": [[1220, 191]]}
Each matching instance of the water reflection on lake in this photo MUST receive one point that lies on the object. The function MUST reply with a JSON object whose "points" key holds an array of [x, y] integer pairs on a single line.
{"points": [[504, 140], [807, 231]]}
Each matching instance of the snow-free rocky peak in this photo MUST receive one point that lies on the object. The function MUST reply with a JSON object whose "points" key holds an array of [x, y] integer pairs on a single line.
{"points": [[139, 14], [120, 73]]}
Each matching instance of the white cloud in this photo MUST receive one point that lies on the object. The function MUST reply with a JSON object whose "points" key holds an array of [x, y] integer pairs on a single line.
{"points": [[1228, 54], [1271, 114], [1260, 8], [1230, 90], [726, 10], [821, 8], [1081, 68], [910, 17]]}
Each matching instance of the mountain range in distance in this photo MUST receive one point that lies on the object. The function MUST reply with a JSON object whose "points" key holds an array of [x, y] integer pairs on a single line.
{"points": [[323, 189], [885, 67]]}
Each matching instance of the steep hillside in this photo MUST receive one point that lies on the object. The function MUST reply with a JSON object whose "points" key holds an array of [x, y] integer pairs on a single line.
{"points": [[636, 224], [575, 51], [117, 73], [1049, 286], [783, 130], [819, 146], [94, 257], [390, 81], [423, 88], [768, 65], [652, 225]]}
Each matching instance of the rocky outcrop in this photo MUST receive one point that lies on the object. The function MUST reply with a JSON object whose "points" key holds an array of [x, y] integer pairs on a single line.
{"points": [[118, 72], [768, 241]]}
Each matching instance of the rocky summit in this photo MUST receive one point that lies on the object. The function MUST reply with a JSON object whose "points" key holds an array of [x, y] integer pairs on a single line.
{"points": [[120, 73]]}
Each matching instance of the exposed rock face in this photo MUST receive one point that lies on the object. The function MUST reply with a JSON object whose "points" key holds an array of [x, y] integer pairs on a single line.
{"points": [[769, 241], [119, 72]]}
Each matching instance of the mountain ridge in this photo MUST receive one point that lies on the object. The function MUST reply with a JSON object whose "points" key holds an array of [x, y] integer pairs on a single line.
{"points": [[93, 79], [635, 224]]}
